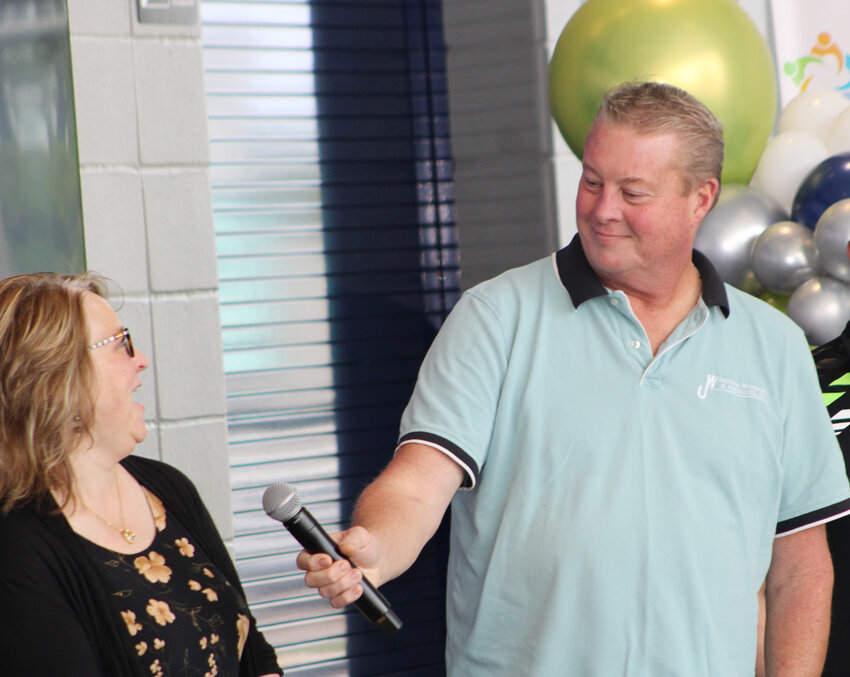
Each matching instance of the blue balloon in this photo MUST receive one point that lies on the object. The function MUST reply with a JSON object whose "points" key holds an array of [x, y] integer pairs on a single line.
{"points": [[825, 185]]}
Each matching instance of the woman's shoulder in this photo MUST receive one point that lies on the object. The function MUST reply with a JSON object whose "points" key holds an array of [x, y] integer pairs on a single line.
{"points": [[19, 519], [150, 471], [28, 536]]}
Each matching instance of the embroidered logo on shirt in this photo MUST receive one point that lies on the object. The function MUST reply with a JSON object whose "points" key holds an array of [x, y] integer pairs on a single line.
{"points": [[714, 383]]}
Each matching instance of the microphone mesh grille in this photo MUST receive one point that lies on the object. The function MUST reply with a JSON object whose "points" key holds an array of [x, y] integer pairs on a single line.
{"points": [[281, 502]]}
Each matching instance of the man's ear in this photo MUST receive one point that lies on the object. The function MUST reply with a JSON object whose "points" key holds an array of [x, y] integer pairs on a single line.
{"points": [[706, 194]]}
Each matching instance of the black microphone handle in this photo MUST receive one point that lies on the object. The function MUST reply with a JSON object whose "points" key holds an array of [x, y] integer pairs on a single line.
{"points": [[372, 604]]}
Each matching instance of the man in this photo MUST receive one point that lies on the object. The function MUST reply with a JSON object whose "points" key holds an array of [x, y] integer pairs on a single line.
{"points": [[630, 448]]}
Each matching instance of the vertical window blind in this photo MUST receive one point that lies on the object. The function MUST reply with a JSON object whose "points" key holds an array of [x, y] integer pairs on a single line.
{"points": [[337, 258]]}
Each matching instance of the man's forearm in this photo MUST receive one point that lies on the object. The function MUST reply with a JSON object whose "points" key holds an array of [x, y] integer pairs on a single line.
{"points": [[404, 506], [797, 629], [798, 616]]}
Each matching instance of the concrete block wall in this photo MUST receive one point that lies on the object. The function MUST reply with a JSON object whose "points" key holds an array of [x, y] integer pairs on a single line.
{"points": [[147, 213]]}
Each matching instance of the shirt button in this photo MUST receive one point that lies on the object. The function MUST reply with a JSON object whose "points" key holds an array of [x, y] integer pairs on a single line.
{"points": [[615, 301], [635, 344]]}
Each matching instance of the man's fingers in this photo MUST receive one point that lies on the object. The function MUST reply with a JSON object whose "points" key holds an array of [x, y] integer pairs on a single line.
{"points": [[337, 583], [347, 597], [308, 562], [336, 579]]}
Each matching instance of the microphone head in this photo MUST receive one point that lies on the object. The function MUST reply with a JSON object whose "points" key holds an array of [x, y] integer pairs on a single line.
{"points": [[281, 502]]}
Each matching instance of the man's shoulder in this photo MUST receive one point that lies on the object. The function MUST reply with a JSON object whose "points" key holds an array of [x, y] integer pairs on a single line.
{"points": [[520, 280], [748, 308]]}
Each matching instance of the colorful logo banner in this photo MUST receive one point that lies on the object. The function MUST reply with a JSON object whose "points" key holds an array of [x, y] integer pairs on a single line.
{"points": [[812, 46]]}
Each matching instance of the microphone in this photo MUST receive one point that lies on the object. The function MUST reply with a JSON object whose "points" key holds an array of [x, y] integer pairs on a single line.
{"points": [[281, 502]]}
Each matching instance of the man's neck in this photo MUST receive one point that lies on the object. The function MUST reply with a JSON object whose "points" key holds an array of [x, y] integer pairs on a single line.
{"points": [[661, 308]]}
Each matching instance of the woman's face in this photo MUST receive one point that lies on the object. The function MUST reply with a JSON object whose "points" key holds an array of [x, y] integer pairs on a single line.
{"points": [[119, 422]]}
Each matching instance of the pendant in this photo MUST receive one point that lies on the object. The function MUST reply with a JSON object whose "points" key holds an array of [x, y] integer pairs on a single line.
{"points": [[128, 535]]}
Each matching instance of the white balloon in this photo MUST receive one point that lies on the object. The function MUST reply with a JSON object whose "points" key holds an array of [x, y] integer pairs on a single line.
{"points": [[786, 161], [838, 140], [812, 111], [832, 234], [821, 307]]}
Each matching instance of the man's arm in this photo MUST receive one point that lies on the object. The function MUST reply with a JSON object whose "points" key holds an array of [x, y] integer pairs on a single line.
{"points": [[395, 517], [798, 597]]}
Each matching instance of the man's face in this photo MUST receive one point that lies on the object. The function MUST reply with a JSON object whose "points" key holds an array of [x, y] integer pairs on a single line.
{"points": [[636, 224]]}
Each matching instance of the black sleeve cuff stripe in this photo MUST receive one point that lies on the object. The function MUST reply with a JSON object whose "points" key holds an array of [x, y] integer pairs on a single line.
{"points": [[464, 459], [812, 518]]}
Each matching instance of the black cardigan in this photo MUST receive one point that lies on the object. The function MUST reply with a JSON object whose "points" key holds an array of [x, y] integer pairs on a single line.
{"points": [[56, 617]]}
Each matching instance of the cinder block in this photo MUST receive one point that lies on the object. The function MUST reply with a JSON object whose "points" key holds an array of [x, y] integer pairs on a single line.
{"points": [[114, 227], [100, 17], [172, 103], [180, 231], [187, 344], [199, 449], [105, 101]]}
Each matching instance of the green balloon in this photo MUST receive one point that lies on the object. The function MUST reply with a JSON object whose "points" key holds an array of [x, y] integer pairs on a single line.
{"points": [[710, 48], [778, 301]]}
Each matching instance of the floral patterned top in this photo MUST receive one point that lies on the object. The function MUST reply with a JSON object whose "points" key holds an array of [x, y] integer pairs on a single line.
{"points": [[182, 617]]}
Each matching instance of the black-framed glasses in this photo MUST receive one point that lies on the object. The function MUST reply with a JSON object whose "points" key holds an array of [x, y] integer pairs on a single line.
{"points": [[123, 336]]}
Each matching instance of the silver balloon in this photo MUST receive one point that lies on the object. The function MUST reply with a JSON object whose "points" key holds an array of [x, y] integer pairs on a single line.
{"points": [[821, 306], [727, 233], [832, 233], [783, 256]]}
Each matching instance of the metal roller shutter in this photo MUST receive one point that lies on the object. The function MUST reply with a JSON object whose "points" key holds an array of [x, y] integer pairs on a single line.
{"points": [[337, 255]]}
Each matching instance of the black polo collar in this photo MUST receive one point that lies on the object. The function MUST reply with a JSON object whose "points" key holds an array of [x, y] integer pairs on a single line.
{"points": [[582, 283]]}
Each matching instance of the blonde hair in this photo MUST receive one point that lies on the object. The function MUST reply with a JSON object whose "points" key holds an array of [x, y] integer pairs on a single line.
{"points": [[659, 108], [46, 383]]}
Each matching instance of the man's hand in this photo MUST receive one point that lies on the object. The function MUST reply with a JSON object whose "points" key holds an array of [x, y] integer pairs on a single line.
{"points": [[337, 580], [394, 518]]}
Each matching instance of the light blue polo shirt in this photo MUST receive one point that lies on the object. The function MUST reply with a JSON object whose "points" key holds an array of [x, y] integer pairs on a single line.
{"points": [[620, 508]]}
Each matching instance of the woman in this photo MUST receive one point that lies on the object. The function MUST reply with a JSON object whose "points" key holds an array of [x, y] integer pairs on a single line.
{"points": [[109, 564]]}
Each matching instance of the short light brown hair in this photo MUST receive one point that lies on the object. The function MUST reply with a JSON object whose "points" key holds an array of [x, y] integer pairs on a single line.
{"points": [[659, 108], [46, 383]]}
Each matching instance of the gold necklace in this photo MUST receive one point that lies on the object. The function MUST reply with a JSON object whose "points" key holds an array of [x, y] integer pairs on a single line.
{"points": [[128, 534]]}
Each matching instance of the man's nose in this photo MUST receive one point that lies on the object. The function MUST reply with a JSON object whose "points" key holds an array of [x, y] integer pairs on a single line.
{"points": [[607, 206]]}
